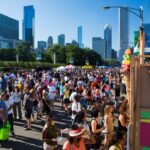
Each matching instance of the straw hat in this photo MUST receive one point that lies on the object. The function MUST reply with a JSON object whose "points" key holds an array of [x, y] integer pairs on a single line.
{"points": [[74, 133]]}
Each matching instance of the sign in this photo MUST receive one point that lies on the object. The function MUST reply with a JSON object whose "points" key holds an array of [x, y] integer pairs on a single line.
{"points": [[147, 41], [136, 37]]}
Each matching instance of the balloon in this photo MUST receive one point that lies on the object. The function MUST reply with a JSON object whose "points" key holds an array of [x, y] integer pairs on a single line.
{"points": [[126, 62], [128, 51], [126, 57]]}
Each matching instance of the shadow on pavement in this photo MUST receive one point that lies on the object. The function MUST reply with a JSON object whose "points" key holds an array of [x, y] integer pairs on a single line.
{"points": [[25, 144]]}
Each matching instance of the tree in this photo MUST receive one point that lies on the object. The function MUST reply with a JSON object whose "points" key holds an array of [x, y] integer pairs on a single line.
{"points": [[24, 52], [66, 53]]}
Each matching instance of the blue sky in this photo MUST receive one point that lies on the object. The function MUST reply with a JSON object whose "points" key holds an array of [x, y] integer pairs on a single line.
{"points": [[54, 17]]}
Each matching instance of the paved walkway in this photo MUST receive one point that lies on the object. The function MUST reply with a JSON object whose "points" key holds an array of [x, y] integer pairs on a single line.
{"points": [[31, 140]]}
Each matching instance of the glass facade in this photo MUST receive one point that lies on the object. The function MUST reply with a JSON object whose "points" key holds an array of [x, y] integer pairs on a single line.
{"points": [[8, 43], [29, 25], [50, 42], [80, 36], [61, 39], [99, 45], [41, 44], [108, 39], [9, 28], [123, 32]]}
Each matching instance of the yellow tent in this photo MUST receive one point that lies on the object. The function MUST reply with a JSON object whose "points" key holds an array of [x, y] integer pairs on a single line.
{"points": [[87, 66]]}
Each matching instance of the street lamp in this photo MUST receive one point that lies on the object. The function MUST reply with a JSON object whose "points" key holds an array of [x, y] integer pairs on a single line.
{"points": [[138, 13], [130, 9]]}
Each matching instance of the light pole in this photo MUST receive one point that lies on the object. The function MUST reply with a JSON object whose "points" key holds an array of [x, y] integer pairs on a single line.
{"points": [[138, 13], [133, 134]]}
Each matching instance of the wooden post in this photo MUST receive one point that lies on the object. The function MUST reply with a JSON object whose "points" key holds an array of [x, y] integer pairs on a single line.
{"points": [[131, 106]]}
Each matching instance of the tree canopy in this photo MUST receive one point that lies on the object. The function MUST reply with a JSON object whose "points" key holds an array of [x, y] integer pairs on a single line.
{"points": [[63, 54]]}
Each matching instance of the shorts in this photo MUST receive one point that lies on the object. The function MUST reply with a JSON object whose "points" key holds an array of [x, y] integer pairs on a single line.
{"points": [[35, 109], [48, 147], [28, 113], [66, 101]]}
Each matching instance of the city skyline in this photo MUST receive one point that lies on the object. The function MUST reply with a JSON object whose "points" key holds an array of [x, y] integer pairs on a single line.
{"points": [[66, 20]]}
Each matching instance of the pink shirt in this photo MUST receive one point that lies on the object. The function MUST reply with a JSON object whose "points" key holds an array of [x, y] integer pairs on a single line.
{"points": [[68, 146]]}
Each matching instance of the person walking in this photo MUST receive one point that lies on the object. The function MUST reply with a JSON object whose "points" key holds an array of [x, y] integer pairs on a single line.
{"points": [[49, 135], [16, 96], [3, 112], [29, 99], [9, 103]]}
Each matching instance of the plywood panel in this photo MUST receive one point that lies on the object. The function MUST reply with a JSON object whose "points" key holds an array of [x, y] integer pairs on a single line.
{"points": [[144, 80]]}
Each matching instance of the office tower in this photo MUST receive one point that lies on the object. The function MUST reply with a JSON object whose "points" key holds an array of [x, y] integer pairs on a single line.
{"points": [[9, 27], [108, 39], [75, 43], [8, 43], [29, 25], [113, 54], [123, 31], [99, 45], [50, 42], [80, 37], [61, 39], [41, 45]]}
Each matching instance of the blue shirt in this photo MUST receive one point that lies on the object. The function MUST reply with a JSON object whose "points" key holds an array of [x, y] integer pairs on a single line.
{"points": [[4, 108]]}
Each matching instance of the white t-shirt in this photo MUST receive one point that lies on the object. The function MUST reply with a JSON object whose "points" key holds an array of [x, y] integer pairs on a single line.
{"points": [[52, 92], [72, 96], [16, 97], [76, 106], [8, 104]]}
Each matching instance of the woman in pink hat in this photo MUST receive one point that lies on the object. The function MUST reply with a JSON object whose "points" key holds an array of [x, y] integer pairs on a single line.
{"points": [[76, 140]]}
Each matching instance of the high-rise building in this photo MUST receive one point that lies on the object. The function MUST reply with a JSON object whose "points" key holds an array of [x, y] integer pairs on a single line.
{"points": [[61, 39], [50, 42], [75, 43], [80, 37], [113, 54], [123, 31], [29, 25], [41, 44], [99, 45], [8, 43], [108, 39], [9, 28]]}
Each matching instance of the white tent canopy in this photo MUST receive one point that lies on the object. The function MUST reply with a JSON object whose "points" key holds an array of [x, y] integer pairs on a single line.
{"points": [[61, 68]]}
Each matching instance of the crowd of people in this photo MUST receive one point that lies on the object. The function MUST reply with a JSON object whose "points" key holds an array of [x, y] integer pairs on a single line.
{"points": [[93, 98]]}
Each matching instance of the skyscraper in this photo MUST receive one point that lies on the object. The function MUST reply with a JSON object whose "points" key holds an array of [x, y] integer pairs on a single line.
{"points": [[108, 39], [123, 31], [9, 28], [41, 44], [80, 37], [50, 42], [29, 25], [99, 45], [61, 39]]}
